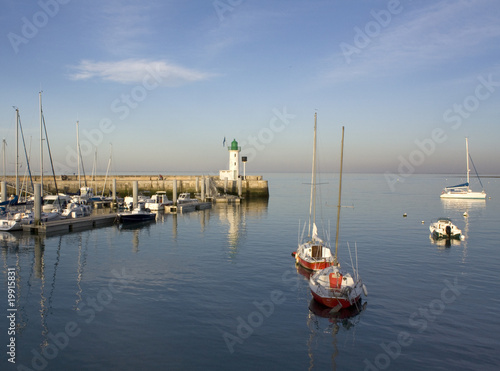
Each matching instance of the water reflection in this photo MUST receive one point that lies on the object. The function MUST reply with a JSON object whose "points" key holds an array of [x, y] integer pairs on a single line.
{"points": [[235, 217], [306, 273], [466, 208], [322, 319], [136, 229], [444, 242], [457, 205]]}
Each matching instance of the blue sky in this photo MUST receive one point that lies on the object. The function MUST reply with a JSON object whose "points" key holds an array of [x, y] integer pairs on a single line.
{"points": [[165, 81]]}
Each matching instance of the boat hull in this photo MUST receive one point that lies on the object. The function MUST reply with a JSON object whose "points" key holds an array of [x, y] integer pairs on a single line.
{"points": [[335, 288], [438, 235], [314, 256], [444, 228], [136, 218], [465, 195], [10, 225], [313, 266], [333, 302]]}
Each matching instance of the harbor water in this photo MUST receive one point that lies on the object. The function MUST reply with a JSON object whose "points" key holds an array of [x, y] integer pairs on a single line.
{"points": [[218, 289]]}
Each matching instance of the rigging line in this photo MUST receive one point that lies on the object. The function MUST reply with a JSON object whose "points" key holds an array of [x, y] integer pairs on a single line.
{"points": [[352, 265], [474, 166], [83, 167], [26, 154]]}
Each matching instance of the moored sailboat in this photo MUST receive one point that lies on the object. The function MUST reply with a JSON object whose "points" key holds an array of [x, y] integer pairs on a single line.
{"points": [[463, 190], [313, 253], [334, 286]]}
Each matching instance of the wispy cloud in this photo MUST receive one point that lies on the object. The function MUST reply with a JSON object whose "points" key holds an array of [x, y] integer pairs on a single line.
{"points": [[131, 71], [430, 36], [121, 27]]}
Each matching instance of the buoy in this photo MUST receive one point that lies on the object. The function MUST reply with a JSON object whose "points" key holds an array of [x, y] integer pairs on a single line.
{"points": [[423, 222], [293, 253], [404, 215], [465, 213]]}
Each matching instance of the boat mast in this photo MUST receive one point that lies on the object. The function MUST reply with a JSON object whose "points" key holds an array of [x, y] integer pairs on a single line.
{"points": [[41, 145], [312, 203], [4, 143], [340, 194], [78, 156], [467, 152], [107, 169], [17, 151]]}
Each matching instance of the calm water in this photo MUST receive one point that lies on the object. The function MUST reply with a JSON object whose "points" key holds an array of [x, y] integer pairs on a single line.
{"points": [[218, 289]]}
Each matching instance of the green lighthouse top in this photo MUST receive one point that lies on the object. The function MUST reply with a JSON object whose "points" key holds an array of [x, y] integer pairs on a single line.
{"points": [[234, 145]]}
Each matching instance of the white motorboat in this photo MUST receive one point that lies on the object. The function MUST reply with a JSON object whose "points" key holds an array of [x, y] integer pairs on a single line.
{"points": [[28, 217], [138, 214], [10, 225], [128, 201], [463, 190], [76, 210], [158, 201], [185, 198], [58, 202], [444, 228]]}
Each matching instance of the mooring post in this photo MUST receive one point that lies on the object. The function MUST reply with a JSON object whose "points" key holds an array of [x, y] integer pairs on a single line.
{"points": [[4, 191], [202, 188], [225, 185], [38, 203], [135, 192], [114, 192], [239, 187], [174, 191], [208, 190], [197, 182]]}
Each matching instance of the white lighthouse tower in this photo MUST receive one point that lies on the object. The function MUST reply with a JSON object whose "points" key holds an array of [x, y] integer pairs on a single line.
{"points": [[234, 163]]}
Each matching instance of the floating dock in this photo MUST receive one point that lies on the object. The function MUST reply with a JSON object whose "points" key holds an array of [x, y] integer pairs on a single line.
{"points": [[187, 207], [72, 224]]}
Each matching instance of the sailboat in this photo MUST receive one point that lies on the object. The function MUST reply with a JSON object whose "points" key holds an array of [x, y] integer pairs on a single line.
{"points": [[333, 286], [314, 253], [463, 190]]}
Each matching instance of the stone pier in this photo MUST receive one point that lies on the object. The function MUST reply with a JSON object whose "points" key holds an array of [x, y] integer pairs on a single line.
{"points": [[251, 187]]}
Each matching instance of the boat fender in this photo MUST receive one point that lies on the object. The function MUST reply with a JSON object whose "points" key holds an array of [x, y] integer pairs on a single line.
{"points": [[365, 291]]}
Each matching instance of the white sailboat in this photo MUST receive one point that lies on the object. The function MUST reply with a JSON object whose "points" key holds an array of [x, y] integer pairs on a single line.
{"points": [[463, 190], [313, 253], [334, 286]]}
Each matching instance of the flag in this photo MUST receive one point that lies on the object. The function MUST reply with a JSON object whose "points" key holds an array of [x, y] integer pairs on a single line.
{"points": [[224, 142]]}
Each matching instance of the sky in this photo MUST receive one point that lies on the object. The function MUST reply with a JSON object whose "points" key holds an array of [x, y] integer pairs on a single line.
{"points": [[158, 85]]}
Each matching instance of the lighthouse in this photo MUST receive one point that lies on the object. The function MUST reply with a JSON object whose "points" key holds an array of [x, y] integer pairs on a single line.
{"points": [[234, 163]]}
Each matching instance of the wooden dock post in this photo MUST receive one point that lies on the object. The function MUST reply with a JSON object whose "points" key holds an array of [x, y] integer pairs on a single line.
{"points": [[4, 191], [203, 189], [174, 191], [114, 191], [38, 203], [135, 192]]}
